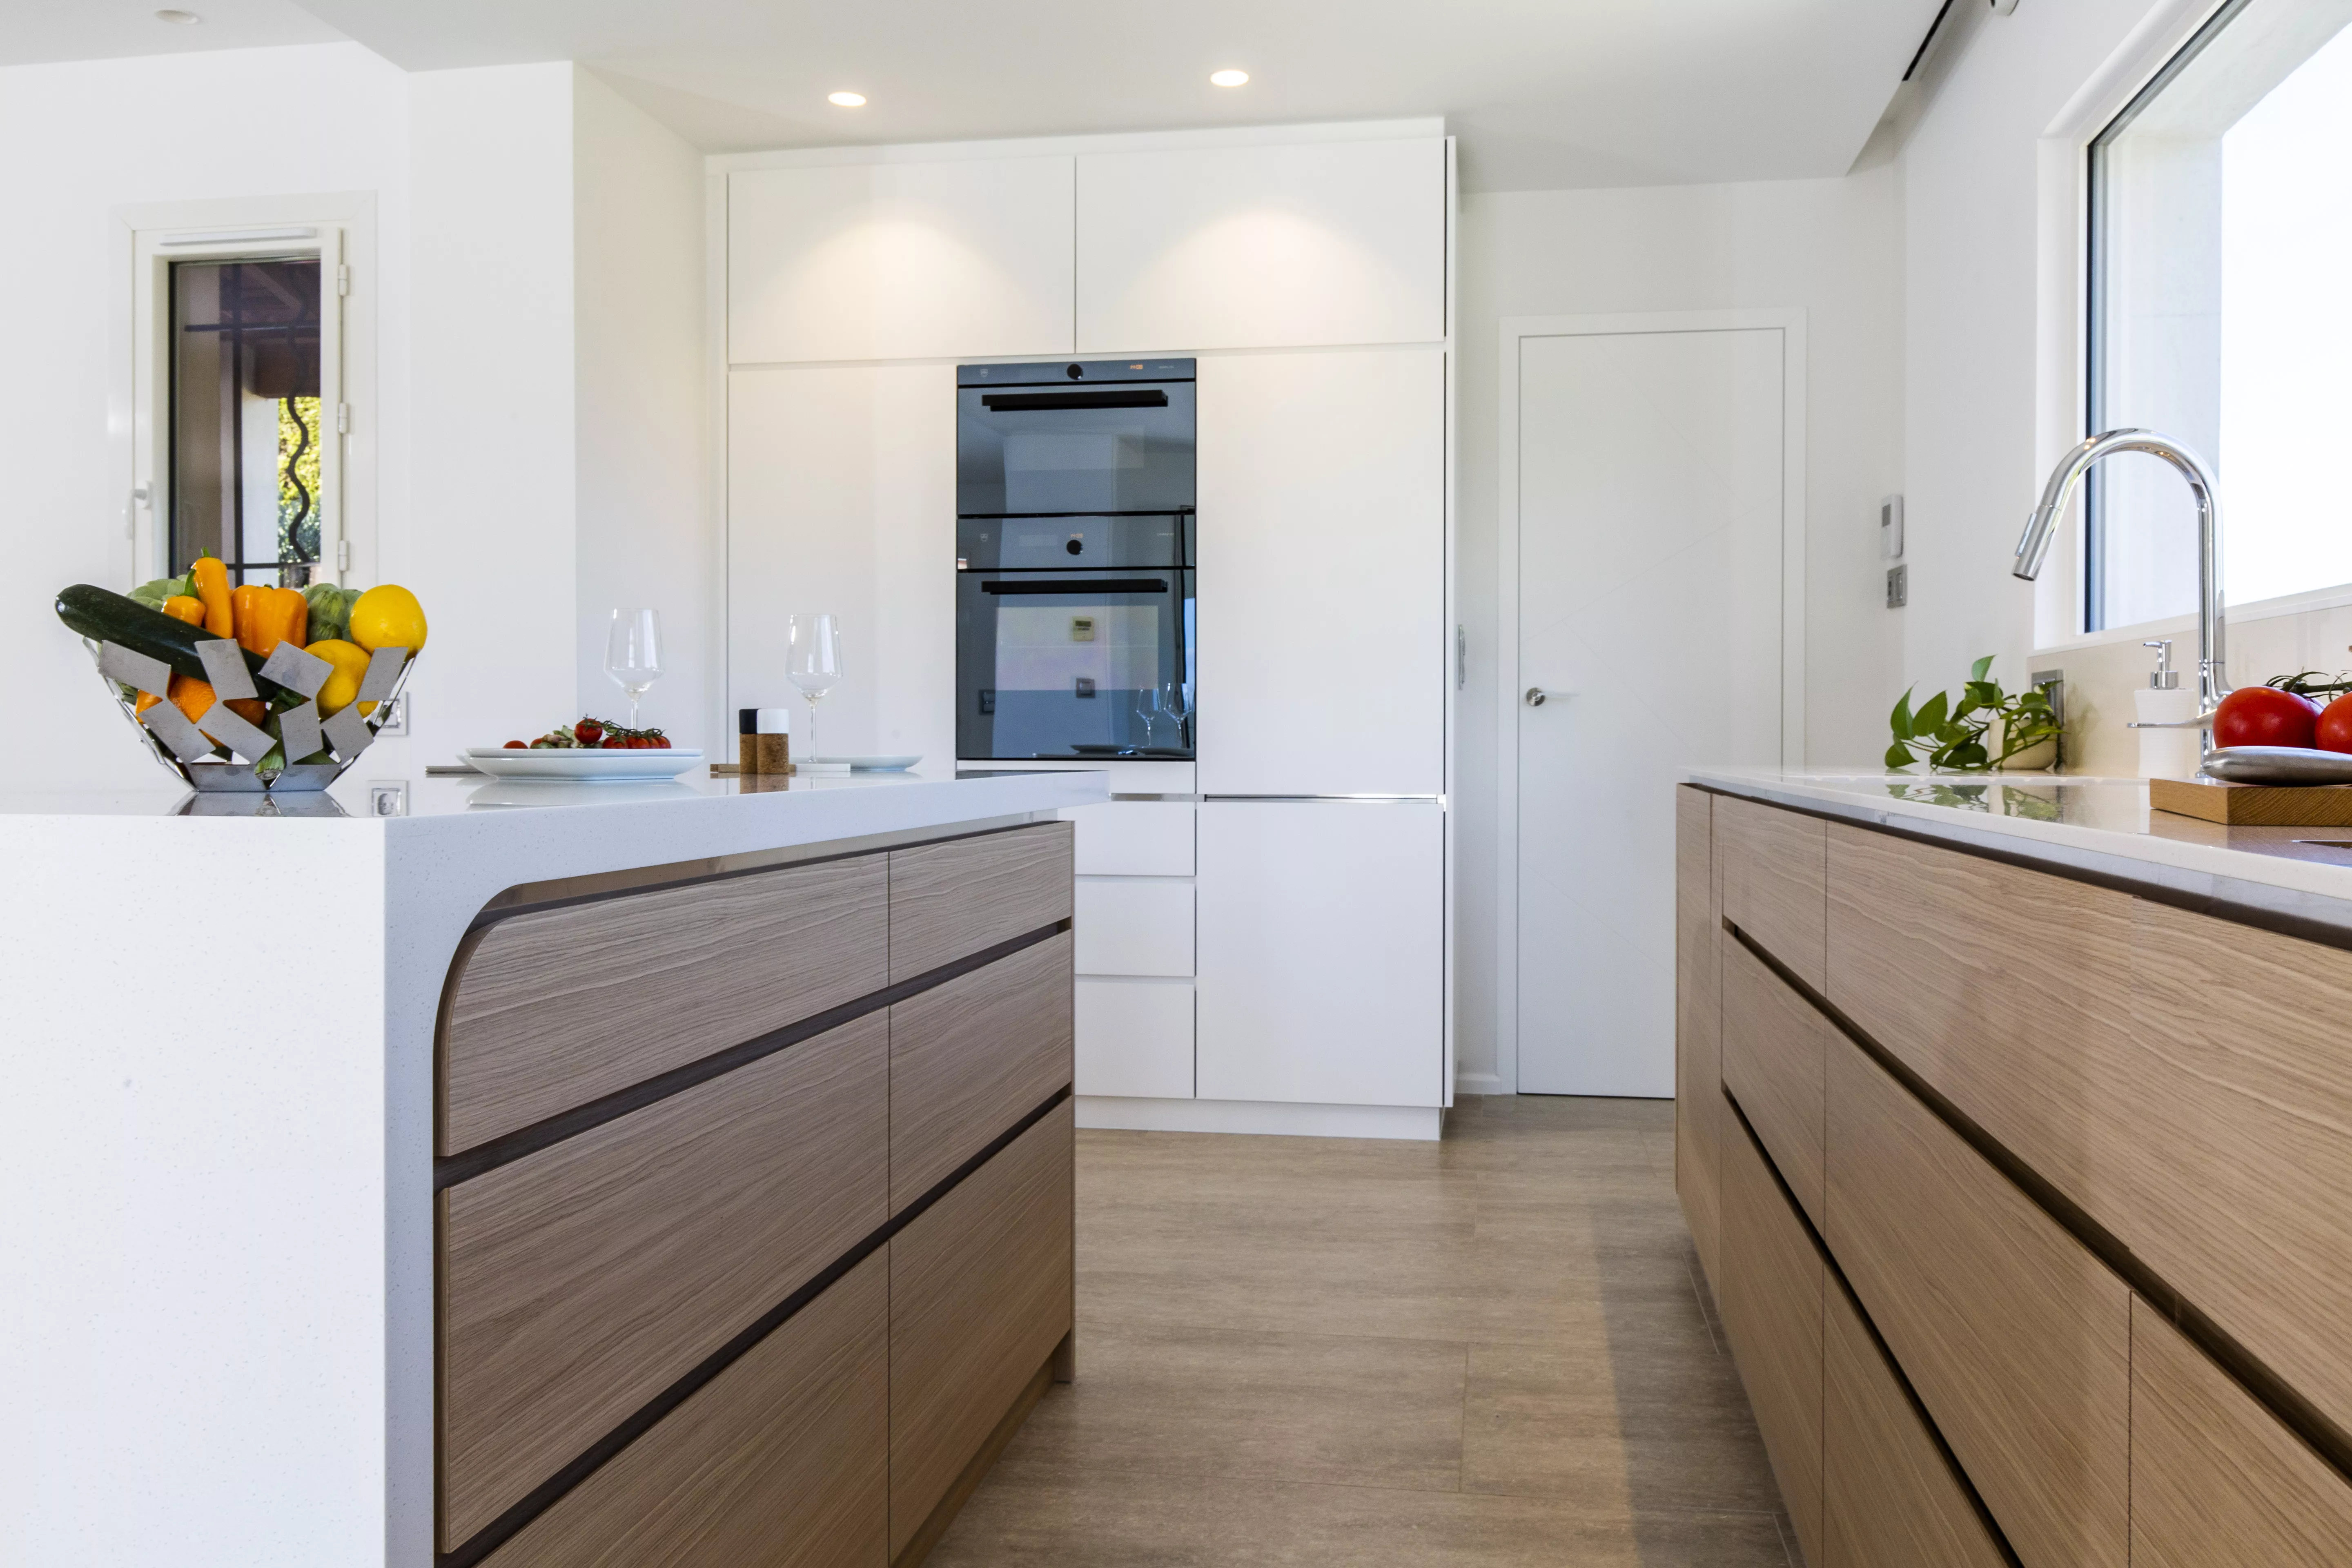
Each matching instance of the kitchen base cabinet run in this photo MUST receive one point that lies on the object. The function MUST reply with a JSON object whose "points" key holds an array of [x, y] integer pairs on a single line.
{"points": [[2075, 1294]]}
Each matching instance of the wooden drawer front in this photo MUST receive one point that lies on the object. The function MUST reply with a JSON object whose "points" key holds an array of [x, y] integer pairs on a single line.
{"points": [[1773, 866], [970, 1058], [1771, 1305], [980, 1295], [2216, 1482], [1698, 1101], [781, 1461], [2002, 988], [2015, 1337], [951, 898], [2232, 1138], [1775, 1050], [1888, 1493], [550, 1011], [579, 1282]]}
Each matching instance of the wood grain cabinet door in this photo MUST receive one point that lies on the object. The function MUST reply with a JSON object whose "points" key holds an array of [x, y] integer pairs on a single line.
{"points": [[2002, 988], [1698, 1072], [1775, 1051], [2232, 1145], [1889, 1497], [980, 1295], [954, 898], [1774, 868], [972, 1058], [2015, 1338], [579, 1282], [549, 1010], [781, 1461], [2216, 1482], [1772, 1305]]}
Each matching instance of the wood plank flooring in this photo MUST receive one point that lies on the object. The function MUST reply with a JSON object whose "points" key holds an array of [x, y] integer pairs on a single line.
{"points": [[1489, 1351]]}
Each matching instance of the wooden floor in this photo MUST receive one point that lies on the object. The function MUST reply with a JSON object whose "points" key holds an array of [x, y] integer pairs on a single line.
{"points": [[1489, 1350]]}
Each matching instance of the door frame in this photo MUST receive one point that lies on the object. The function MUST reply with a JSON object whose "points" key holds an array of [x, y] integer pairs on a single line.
{"points": [[1790, 323]]}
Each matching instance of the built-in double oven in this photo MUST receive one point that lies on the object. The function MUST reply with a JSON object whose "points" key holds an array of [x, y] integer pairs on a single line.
{"points": [[1074, 563]]}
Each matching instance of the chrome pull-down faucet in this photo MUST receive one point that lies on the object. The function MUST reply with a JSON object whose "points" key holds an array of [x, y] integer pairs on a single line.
{"points": [[2212, 676]]}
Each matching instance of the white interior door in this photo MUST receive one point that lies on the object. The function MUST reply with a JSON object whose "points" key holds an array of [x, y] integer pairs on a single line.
{"points": [[1652, 485]]}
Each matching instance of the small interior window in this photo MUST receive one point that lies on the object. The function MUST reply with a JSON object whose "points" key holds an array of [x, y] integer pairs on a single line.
{"points": [[244, 417], [2220, 221]]}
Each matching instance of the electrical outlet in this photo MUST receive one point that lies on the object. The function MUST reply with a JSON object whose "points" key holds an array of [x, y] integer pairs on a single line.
{"points": [[395, 718], [388, 797], [1898, 586]]}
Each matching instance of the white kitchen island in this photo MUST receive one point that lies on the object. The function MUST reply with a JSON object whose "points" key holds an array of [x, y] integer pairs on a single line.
{"points": [[218, 1136]]}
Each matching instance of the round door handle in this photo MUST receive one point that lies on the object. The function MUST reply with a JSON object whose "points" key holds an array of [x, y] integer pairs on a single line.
{"points": [[1537, 695]]}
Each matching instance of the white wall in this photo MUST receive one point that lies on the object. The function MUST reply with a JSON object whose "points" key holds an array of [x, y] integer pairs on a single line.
{"points": [[78, 141], [1833, 247], [646, 529], [490, 546]]}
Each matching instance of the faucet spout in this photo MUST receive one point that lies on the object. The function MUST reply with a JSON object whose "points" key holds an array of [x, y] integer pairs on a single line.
{"points": [[2213, 674]]}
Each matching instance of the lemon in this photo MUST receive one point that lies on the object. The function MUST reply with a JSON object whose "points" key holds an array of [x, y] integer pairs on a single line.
{"points": [[351, 664], [388, 615]]}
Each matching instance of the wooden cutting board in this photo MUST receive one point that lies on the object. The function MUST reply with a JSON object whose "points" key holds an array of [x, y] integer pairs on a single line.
{"points": [[2254, 806]]}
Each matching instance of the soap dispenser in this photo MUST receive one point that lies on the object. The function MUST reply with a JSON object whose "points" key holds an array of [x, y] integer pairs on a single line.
{"points": [[2166, 753]]}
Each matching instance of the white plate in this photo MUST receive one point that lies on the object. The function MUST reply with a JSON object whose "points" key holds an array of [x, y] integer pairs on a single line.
{"points": [[587, 763], [870, 765]]}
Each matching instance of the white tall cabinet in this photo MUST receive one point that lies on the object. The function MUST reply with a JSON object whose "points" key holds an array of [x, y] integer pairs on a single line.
{"points": [[1262, 937]]}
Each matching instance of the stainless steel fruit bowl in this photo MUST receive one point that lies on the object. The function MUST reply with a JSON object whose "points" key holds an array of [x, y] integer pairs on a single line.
{"points": [[223, 774]]}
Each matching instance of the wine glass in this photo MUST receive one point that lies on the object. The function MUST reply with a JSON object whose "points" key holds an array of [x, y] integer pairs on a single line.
{"points": [[1176, 701], [1147, 708], [813, 663], [633, 654]]}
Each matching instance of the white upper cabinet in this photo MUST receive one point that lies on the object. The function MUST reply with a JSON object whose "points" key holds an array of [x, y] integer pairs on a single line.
{"points": [[1292, 246], [1322, 660], [959, 259]]}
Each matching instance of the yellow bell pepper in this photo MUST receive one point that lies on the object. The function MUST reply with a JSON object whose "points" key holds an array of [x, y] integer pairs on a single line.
{"points": [[209, 576]]}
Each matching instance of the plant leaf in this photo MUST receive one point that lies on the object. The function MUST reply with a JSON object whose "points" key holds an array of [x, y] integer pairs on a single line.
{"points": [[1929, 717], [1900, 721], [1899, 755], [1982, 666]]}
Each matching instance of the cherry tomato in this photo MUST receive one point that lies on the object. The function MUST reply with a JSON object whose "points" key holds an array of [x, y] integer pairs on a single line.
{"points": [[519, 746], [587, 732], [661, 742], [2334, 732], [2266, 716]]}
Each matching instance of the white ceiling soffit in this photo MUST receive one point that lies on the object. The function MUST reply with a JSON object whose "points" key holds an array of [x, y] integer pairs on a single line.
{"points": [[38, 32], [1544, 93]]}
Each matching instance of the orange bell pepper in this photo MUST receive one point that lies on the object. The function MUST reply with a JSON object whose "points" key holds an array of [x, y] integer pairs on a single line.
{"points": [[249, 609], [191, 696], [209, 576], [180, 607], [267, 616]]}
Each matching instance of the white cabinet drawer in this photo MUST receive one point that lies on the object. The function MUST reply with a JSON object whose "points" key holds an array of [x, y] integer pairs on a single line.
{"points": [[1133, 839], [1135, 1038], [1134, 926]]}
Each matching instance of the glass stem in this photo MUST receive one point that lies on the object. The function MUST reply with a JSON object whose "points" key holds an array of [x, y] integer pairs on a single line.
{"points": [[812, 753]]}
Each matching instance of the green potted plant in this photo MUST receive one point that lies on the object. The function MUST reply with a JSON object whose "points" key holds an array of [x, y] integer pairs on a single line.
{"points": [[1953, 736]]}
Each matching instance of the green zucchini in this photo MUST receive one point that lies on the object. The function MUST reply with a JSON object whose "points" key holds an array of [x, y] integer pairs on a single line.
{"points": [[104, 616]]}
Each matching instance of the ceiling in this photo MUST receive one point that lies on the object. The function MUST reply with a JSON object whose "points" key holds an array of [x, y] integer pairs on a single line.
{"points": [[1544, 93]]}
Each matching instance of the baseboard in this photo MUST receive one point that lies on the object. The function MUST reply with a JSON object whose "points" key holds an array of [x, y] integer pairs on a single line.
{"points": [[1479, 1083], [936, 1525], [1274, 1118]]}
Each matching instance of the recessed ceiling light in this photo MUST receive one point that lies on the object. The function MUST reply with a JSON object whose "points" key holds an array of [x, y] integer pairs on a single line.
{"points": [[846, 100], [183, 19], [1229, 79]]}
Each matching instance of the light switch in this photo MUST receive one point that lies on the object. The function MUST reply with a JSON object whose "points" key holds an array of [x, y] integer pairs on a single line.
{"points": [[1890, 529]]}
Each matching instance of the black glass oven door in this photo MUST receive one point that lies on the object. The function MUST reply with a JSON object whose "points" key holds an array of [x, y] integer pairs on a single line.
{"points": [[1043, 452], [1072, 665]]}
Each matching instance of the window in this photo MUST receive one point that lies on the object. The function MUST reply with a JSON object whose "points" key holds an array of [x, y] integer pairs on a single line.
{"points": [[245, 440], [2220, 219]]}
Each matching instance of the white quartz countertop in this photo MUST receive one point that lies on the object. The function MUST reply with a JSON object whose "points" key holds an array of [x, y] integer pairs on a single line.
{"points": [[2101, 827]]}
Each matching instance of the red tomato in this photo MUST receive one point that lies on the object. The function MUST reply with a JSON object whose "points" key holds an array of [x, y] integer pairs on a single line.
{"points": [[2266, 716], [519, 746], [662, 745], [586, 731], [2335, 726]]}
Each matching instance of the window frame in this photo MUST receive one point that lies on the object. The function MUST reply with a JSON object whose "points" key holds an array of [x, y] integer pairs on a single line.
{"points": [[337, 231]]}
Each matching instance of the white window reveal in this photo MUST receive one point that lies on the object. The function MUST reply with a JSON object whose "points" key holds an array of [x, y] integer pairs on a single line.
{"points": [[2220, 224]]}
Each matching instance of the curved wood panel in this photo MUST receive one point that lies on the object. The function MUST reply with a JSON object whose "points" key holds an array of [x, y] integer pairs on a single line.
{"points": [[1775, 870], [1771, 1305], [553, 1009], [1698, 1066], [972, 1058], [579, 1282], [1775, 1050]]}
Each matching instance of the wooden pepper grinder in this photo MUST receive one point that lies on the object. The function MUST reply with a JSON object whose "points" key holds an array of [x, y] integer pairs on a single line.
{"points": [[763, 740]]}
